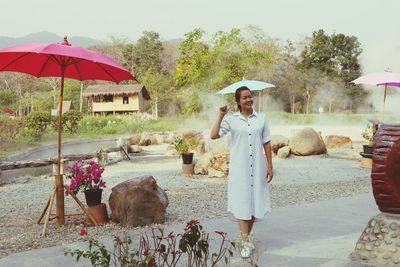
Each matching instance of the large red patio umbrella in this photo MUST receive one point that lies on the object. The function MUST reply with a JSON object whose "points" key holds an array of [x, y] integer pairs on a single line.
{"points": [[64, 61], [386, 78]]}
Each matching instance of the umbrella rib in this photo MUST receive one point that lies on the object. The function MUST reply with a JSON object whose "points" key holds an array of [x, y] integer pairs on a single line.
{"points": [[44, 65], [108, 73], [15, 60], [74, 63]]}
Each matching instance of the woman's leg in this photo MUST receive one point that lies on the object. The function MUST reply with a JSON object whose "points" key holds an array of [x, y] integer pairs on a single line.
{"points": [[244, 226], [251, 223]]}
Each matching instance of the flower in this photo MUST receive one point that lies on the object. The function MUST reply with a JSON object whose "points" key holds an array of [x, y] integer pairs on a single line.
{"points": [[83, 232], [85, 176]]}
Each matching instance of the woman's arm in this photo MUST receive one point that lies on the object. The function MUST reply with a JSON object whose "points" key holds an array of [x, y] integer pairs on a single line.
{"points": [[217, 125], [268, 153]]}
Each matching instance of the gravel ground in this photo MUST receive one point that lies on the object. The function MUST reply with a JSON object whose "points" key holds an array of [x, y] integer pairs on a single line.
{"points": [[196, 197]]}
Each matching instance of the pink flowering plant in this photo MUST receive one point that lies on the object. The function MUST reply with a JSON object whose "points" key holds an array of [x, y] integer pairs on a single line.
{"points": [[85, 176]]}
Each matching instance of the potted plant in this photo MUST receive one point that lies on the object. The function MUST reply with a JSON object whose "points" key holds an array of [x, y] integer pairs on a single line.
{"points": [[183, 147], [368, 135], [87, 177]]}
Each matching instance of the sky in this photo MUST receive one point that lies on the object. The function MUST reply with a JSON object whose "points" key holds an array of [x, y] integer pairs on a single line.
{"points": [[374, 22]]}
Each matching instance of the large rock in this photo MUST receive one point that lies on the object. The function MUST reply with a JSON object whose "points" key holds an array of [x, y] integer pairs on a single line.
{"points": [[137, 202], [198, 137], [284, 152], [307, 142], [133, 140], [202, 164], [338, 141], [219, 166], [278, 141]]}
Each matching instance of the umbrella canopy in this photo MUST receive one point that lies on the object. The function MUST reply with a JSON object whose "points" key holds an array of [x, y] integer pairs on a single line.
{"points": [[251, 84], [64, 61], [57, 60], [386, 78]]}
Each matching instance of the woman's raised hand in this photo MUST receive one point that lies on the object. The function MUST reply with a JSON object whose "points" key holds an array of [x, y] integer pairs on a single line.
{"points": [[223, 110]]}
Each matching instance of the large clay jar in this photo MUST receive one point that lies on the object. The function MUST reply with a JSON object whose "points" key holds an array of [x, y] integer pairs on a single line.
{"points": [[386, 168]]}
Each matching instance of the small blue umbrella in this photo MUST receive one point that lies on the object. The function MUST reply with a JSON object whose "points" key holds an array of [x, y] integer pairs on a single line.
{"points": [[251, 84]]}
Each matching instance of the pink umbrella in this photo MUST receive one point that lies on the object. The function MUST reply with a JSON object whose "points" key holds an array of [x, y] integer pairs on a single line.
{"points": [[64, 61], [386, 78]]}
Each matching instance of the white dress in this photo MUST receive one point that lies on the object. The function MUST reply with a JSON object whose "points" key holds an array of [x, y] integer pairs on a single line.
{"points": [[248, 190]]}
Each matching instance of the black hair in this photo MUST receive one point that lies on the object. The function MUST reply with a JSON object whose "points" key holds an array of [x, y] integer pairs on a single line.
{"points": [[237, 95]]}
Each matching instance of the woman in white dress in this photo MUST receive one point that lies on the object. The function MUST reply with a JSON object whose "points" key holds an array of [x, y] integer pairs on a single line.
{"points": [[249, 172]]}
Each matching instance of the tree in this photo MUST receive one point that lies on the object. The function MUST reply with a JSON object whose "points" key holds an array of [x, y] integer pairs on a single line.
{"points": [[334, 58], [193, 64]]}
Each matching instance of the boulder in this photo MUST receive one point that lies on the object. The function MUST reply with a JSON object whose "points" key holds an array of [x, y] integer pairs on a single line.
{"points": [[134, 149], [145, 140], [202, 164], [307, 142], [278, 141], [338, 141], [159, 138], [137, 202], [198, 137], [219, 163], [284, 152], [134, 140]]}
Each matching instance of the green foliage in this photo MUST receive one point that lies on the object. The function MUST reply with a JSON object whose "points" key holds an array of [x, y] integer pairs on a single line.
{"points": [[194, 61], [160, 249], [10, 130], [369, 133], [336, 58], [7, 98], [71, 120], [72, 92], [183, 146], [193, 103], [37, 123]]}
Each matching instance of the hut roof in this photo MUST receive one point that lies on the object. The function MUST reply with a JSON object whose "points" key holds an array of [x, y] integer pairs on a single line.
{"points": [[116, 89]]}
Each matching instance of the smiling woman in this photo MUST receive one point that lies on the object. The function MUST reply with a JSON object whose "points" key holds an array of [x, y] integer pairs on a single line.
{"points": [[249, 172]]}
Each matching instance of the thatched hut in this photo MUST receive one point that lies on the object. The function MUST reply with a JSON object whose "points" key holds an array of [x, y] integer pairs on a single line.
{"points": [[116, 99]]}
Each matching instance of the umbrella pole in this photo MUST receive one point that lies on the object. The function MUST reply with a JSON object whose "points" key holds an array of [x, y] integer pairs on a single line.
{"points": [[59, 177], [384, 101]]}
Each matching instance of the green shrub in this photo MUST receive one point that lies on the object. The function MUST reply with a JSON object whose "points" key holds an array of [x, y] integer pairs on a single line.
{"points": [[10, 129], [71, 120], [37, 123]]}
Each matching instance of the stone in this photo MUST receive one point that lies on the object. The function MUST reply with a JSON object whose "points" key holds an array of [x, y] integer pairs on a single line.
{"points": [[133, 140], [202, 164], [284, 152], [277, 142], [220, 163], [388, 242], [380, 236], [359, 246], [386, 256], [393, 226], [134, 149], [307, 142], [138, 202], [384, 230], [368, 247], [215, 173], [393, 236], [377, 243], [373, 222], [393, 250], [372, 238], [338, 141]]}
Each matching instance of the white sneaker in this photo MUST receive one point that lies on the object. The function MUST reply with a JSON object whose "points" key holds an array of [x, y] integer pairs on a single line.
{"points": [[247, 249]]}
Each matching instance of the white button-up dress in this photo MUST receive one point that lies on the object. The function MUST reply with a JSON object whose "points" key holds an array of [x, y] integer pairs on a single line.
{"points": [[248, 190]]}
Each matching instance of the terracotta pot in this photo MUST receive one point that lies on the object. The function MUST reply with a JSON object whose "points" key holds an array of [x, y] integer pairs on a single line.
{"points": [[93, 197]]}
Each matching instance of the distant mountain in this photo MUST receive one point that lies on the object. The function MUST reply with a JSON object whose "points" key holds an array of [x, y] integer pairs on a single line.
{"points": [[47, 37]]}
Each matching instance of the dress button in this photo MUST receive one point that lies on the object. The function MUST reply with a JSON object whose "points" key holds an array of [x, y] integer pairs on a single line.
{"points": [[251, 185], [249, 134], [250, 144], [251, 165], [248, 124], [251, 155]]}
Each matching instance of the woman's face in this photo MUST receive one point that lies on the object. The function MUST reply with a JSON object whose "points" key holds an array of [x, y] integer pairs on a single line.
{"points": [[246, 100]]}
